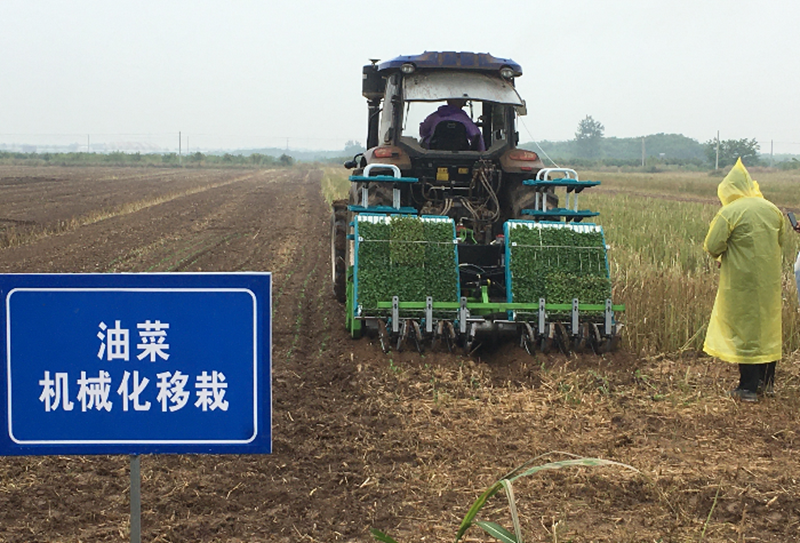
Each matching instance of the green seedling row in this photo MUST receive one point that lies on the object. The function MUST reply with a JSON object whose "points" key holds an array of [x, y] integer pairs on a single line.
{"points": [[558, 264], [407, 257]]}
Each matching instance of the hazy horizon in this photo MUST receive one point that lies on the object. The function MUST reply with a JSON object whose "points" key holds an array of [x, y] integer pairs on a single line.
{"points": [[248, 74]]}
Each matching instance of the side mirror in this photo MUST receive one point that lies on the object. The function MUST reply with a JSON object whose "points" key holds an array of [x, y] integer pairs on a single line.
{"points": [[350, 164]]}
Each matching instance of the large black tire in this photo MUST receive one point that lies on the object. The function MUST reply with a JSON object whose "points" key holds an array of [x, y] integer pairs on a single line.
{"points": [[380, 194], [339, 250], [515, 197]]}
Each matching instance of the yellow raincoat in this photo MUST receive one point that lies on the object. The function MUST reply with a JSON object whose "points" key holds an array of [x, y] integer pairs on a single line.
{"points": [[745, 326]]}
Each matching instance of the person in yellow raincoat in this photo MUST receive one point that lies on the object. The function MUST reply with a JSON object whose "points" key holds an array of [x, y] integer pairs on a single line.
{"points": [[745, 326]]}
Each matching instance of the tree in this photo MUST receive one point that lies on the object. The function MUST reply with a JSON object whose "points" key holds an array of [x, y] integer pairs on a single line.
{"points": [[588, 137], [730, 150], [286, 160], [352, 148], [260, 159]]}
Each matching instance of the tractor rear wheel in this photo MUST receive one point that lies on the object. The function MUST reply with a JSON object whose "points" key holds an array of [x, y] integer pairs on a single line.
{"points": [[516, 196], [339, 250], [379, 194]]}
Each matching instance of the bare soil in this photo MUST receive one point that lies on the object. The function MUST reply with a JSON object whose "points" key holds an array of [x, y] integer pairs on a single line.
{"points": [[403, 442]]}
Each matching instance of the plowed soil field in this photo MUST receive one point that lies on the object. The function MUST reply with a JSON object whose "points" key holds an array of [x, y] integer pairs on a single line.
{"points": [[403, 442]]}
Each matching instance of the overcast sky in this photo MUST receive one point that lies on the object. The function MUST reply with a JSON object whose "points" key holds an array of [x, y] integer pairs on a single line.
{"points": [[261, 73]]}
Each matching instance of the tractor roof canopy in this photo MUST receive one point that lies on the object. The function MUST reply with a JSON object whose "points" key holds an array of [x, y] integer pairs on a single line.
{"points": [[451, 60]]}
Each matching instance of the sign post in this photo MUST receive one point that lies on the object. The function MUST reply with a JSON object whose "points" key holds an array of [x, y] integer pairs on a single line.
{"points": [[136, 499]]}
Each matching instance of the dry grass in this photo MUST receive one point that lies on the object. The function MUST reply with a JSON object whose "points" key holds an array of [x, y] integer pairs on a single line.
{"points": [[335, 184], [780, 187], [711, 469], [466, 423], [655, 225]]}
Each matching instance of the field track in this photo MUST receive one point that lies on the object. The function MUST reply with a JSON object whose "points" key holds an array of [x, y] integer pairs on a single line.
{"points": [[402, 442]]}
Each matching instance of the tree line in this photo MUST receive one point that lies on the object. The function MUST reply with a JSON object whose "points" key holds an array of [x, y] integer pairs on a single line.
{"points": [[244, 158], [118, 158], [591, 147]]}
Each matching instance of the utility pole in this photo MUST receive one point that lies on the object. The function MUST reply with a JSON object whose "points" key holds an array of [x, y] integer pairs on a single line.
{"points": [[180, 151], [643, 152], [716, 165], [771, 149], [88, 144]]}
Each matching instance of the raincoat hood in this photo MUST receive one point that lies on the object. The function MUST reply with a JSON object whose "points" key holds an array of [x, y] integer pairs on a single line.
{"points": [[738, 184]]}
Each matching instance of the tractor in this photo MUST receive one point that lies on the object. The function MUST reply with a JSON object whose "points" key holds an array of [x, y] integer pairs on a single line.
{"points": [[451, 240]]}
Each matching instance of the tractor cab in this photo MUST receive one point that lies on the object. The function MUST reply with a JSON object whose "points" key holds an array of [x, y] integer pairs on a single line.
{"points": [[468, 166], [489, 102], [404, 91]]}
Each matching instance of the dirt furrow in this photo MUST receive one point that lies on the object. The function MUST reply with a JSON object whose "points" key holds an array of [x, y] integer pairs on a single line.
{"points": [[404, 441], [132, 240], [40, 204]]}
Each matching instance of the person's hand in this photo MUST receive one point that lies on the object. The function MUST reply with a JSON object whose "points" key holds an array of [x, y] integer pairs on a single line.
{"points": [[797, 228]]}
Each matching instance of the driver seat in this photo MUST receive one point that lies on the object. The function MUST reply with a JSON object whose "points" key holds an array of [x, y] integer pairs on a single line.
{"points": [[450, 136]]}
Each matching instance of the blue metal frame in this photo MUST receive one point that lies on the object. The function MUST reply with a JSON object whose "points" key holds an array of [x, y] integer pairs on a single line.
{"points": [[560, 212], [506, 232], [570, 184], [403, 210], [382, 179]]}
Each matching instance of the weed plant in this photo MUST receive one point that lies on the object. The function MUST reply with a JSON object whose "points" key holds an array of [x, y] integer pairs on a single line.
{"points": [[506, 484]]}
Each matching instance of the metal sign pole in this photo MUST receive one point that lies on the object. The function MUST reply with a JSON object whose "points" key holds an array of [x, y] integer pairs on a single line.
{"points": [[136, 499]]}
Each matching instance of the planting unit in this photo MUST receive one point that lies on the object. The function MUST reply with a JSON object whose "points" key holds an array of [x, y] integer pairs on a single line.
{"points": [[421, 279]]}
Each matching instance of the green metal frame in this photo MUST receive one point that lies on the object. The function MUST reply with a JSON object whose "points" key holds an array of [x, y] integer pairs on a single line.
{"points": [[351, 323], [477, 306]]}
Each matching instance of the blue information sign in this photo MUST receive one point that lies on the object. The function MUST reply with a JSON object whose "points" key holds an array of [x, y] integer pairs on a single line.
{"points": [[136, 363]]}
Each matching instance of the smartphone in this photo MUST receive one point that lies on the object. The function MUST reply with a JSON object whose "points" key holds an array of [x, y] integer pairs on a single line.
{"points": [[792, 219]]}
